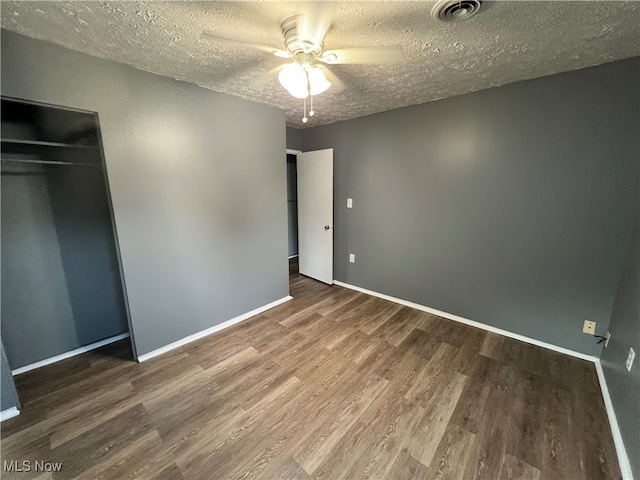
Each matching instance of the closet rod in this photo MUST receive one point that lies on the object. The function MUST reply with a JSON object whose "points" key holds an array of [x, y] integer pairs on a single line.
{"points": [[50, 162]]}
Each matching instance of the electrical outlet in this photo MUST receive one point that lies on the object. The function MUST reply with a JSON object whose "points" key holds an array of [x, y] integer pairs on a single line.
{"points": [[352, 257], [589, 327], [349, 202], [630, 358]]}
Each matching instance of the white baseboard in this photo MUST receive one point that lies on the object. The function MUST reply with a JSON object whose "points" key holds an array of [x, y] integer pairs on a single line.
{"points": [[9, 413], [472, 323], [209, 331], [72, 353], [623, 458]]}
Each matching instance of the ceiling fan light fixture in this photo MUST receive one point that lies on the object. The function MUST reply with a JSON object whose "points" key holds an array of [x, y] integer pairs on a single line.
{"points": [[294, 78], [301, 80], [317, 81], [299, 93]]}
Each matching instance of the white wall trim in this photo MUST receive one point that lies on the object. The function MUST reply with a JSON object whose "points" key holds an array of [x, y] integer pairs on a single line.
{"points": [[72, 353], [9, 413], [291, 151], [209, 331], [623, 458], [472, 323]]}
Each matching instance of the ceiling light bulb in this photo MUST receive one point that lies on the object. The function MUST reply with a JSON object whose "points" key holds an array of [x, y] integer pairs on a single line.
{"points": [[303, 79], [318, 81], [294, 78], [299, 92]]}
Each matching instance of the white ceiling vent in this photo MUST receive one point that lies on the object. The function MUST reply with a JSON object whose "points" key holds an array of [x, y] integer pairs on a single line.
{"points": [[455, 10]]}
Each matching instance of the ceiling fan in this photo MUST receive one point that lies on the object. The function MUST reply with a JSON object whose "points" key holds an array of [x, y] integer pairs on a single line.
{"points": [[307, 75]]}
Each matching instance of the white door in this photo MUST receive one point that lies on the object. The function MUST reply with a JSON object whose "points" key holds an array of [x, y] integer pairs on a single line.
{"points": [[315, 214]]}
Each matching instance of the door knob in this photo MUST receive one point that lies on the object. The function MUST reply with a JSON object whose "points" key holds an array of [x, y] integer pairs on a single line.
{"points": [[327, 227]]}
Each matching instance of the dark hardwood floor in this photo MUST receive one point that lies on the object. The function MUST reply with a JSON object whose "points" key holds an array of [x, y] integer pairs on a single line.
{"points": [[333, 384]]}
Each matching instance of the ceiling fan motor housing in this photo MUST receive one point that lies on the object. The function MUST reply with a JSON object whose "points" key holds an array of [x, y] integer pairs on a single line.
{"points": [[299, 48]]}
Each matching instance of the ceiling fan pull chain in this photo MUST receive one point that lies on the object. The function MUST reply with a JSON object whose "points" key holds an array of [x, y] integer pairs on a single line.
{"points": [[304, 118], [311, 112]]}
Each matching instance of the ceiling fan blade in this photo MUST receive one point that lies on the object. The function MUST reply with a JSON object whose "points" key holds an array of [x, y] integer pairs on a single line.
{"points": [[337, 85], [266, 77], [315, 21], [241, 43], [362, 55]]}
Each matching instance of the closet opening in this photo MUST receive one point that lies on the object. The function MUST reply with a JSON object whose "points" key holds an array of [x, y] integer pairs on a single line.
{"points": [[62, 284]]}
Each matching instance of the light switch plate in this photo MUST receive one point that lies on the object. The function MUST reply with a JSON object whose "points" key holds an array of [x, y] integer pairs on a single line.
{"points": [[630, 358], [349, 202], [352, 257]]}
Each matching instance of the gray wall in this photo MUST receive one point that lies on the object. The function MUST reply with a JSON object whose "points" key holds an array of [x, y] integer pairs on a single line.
{"points": [[624, 386], [294, 138], [510, 206], [198, 186], [8, 395], [60, 280]]}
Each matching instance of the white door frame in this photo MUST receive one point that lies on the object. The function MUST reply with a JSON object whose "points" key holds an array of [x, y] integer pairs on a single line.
{"points": [[295, 152], [291, 151]]}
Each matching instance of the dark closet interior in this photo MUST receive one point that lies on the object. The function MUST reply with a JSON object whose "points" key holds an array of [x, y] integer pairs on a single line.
{"points": [[62, 286], [292, 204]]}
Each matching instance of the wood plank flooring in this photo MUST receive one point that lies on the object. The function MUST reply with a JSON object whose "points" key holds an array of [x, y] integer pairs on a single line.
{"points": [[331, 385]]}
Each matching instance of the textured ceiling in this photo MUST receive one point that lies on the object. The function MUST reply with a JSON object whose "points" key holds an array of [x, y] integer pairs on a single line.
{"points": [[507, 41]]}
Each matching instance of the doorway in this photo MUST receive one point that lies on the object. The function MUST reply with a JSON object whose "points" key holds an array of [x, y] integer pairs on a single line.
{"points": [[314, 201], [292, 205], [292, 212]]}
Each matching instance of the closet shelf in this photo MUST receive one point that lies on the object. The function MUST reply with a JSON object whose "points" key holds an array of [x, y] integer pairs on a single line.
{"points": [[38, 143]]}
